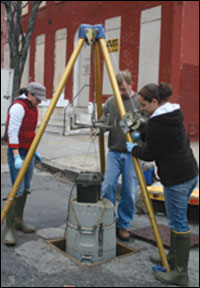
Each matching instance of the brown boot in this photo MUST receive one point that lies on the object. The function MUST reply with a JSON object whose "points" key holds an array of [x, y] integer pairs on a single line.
{"points": [[123, 234]]}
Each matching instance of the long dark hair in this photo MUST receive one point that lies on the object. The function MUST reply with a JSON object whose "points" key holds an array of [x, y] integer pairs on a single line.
{"points": [[160, 92]]}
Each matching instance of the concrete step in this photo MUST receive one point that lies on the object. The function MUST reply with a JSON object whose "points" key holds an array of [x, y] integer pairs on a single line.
{"points": [[57, 123]]}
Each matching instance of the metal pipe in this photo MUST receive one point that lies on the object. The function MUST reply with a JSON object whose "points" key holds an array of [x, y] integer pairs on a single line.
{"points": [[136, 163], [71, 104], [99, 104], [41, 129]]}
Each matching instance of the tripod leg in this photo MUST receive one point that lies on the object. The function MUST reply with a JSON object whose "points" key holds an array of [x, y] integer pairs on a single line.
{"points": [[41, 129], [136, 163]]}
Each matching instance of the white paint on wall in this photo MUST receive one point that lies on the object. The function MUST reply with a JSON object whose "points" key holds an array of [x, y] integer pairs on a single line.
{"points": [[149, 49]]}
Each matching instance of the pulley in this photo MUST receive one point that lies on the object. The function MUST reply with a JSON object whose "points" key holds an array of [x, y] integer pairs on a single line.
{"points": [[132, 122]]}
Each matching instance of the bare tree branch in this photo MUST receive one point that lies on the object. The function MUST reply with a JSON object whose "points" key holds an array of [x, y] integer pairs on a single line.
{"points": [[19, 40]]}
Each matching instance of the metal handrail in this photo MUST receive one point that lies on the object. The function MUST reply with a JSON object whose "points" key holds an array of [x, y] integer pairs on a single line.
{"points": [[64, 120]]}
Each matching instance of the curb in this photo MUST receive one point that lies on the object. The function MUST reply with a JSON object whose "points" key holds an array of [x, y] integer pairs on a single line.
{"points": [[69, 173]]}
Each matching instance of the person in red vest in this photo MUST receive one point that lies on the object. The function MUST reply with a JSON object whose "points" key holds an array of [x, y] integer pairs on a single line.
{"points": [[21, 124]]}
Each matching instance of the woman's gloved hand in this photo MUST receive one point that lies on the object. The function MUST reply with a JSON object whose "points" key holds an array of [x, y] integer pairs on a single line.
{"points": [[136, 136], [130, 146], [18, 161], [38, 157]]}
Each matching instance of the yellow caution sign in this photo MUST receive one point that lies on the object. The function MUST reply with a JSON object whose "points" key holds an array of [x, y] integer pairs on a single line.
{"points": [[113, 45]]}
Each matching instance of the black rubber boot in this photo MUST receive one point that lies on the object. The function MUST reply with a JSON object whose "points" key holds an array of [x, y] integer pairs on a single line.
{"points": [[170, 256], [20, 224], [8, 235], [179, 275]]}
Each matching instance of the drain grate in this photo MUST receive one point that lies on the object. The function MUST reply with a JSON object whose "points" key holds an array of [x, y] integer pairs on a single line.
{"points": [[121, 250]]}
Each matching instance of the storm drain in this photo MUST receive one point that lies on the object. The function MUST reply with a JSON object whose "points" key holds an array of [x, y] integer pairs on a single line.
{"points": [[121, 250]]}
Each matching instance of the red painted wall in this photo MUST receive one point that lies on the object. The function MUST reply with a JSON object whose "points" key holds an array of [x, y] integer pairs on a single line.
{"points": [[71, 14], [189, 69], [4, 32], [179, 47], [184, 55]]}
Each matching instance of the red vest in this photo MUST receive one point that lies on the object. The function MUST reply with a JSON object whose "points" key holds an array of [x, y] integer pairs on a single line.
{"points": [[29, 123]]}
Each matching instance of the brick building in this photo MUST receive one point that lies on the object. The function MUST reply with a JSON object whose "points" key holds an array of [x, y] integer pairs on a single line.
{"points": [[155, 40]]}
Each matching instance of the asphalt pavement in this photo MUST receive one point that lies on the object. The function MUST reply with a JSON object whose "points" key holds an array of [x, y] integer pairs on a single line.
{"points": [[34, 263]]}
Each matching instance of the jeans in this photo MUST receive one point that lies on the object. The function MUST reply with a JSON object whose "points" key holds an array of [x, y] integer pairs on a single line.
{"points": [[120, 163], [25, 185], [176, 204]]}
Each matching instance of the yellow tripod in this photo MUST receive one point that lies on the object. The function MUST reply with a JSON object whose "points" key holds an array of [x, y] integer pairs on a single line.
{"points": [[90, 35]]}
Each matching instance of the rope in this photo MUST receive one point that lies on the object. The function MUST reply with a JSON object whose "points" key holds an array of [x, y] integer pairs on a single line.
{"points": [[93, 120], [68, 209], [98, 221], [92, 142]]}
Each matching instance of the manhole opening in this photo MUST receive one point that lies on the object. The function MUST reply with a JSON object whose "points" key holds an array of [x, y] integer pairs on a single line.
{"points": [[121, 250]]}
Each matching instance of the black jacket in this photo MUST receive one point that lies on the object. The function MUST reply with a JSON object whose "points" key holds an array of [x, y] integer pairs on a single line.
{"points": [[167, 144]]}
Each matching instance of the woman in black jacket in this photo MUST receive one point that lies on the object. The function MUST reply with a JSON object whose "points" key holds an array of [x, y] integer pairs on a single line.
{"points": [[167, 144]]}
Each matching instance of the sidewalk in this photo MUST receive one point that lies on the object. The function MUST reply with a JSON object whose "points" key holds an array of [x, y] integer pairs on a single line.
{"points": [[70, 154], [75, 153]]}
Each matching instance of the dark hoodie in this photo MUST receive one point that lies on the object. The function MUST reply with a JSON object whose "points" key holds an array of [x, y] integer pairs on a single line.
{"points": [[167, 144]]}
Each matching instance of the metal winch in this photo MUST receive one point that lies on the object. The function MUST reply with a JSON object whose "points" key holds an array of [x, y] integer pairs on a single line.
{"points": [[91, 232], [132, 122]]}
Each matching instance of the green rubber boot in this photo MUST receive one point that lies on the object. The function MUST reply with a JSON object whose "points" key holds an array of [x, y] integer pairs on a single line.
{"points": [[8, 235], [20, 224], [170, 256], [179, 275]]}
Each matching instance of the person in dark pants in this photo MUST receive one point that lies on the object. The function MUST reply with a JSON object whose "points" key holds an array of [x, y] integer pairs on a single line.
{"points": [[167, 144], [21, 125]]}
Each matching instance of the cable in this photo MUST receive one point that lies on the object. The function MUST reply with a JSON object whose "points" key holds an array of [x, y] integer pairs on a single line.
{"points": [[68, 209]]}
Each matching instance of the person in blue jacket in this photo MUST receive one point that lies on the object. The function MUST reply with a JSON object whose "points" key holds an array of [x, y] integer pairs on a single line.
{"points": [[167, 144]]}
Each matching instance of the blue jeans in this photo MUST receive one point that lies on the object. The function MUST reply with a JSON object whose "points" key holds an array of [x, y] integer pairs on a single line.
{"points": [[176, 204], [25, 185], [120, 163]]}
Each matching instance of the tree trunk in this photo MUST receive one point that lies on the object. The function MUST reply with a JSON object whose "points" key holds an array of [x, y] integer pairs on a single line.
{"points": [[18, 39]]}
